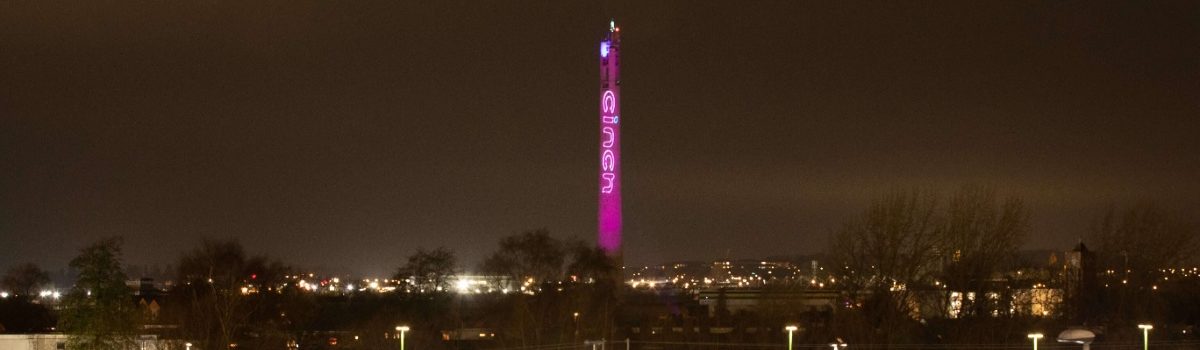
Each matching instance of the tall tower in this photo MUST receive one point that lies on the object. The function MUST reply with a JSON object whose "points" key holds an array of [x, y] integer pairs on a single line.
{"points": [[609, 215]]}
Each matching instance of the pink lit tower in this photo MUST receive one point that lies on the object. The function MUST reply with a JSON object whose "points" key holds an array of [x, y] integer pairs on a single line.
{"points": [[609, 219]]}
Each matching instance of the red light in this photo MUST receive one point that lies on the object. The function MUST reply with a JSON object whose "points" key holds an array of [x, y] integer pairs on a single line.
{"points": [[254, 276]]}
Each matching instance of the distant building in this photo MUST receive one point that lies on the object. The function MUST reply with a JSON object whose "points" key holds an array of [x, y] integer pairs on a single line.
{"points": [[733, 300], [469, 334], [33, 341], [1080, 286], [1039, 301], [58, 341]]}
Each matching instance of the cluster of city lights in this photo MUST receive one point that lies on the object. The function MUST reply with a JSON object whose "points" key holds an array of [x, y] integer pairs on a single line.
{"points": [[728, 273], [1157, 277], [49, 294], [461, 284], [1181, 272]]}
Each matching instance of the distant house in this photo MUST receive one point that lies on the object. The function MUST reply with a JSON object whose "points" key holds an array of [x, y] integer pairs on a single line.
{"points": [[33, 341], [58, 341]]}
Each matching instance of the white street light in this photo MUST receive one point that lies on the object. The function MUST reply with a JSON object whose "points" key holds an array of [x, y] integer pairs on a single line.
{"points": [[402, 330], [575, 319], [838, 344], [1145, 335], [1035, 337], [790, 330]]}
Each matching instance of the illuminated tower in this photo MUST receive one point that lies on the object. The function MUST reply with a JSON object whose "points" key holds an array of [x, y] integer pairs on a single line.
{"points": [[609, 215]]}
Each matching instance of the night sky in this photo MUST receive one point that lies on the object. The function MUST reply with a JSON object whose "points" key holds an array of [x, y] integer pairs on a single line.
{"points": [[342, 135]]}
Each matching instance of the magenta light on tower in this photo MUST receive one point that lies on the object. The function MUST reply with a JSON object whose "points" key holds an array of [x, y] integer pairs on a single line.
{"points": [[609, 230]]}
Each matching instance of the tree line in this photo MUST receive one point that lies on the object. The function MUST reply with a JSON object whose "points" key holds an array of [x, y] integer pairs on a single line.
{"points": [[909, 243], [887, 260], [223, 297]]}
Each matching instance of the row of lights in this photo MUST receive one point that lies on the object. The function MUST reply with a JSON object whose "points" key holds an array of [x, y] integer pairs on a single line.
{"points": [[401, 329], [839, 345], [43, 294], [1145, 337], [1033, 336]]}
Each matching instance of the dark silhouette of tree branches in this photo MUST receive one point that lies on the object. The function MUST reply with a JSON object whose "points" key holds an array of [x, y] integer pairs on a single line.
{"points": [[429, 270], [24, 279]]}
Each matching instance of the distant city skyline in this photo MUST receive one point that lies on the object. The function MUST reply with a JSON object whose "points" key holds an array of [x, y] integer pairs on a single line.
{"points": [[345, 137], [165, 271]]}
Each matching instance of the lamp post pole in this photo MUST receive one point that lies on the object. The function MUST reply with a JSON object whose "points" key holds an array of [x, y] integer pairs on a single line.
{"points": [[402, 330], [575, 318], [1145, 335], [790, 330], [1035, 337]]}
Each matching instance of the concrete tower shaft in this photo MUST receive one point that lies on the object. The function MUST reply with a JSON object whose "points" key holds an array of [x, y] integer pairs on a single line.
{"points": [[609, 216]]}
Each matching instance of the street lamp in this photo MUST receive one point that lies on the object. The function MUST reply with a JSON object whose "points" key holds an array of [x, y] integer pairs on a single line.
{"points": [[188, 345], [575, 319], [1078, 336], [1035, 337], [838, 344], [790, 329], [1145, 335], [402, 330]]}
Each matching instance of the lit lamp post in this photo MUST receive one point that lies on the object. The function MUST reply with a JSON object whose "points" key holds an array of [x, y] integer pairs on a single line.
{"points": [[402, 330], [1145, 335], [575, 318], [188, 345], [838, 344], [790, 330], [1035, 337]]}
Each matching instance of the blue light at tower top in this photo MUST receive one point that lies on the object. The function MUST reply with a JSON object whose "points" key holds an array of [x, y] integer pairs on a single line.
{"points": [[604, 49]]}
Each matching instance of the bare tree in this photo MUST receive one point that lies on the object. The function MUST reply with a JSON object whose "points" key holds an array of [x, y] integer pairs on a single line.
{"points": [[595, 276], [532, 259], [887, 253], [1133, 247], [215, 307], [1144, 237], [980, 238], [24, 279], [429, 269], [528, 255], [591, 264]]}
